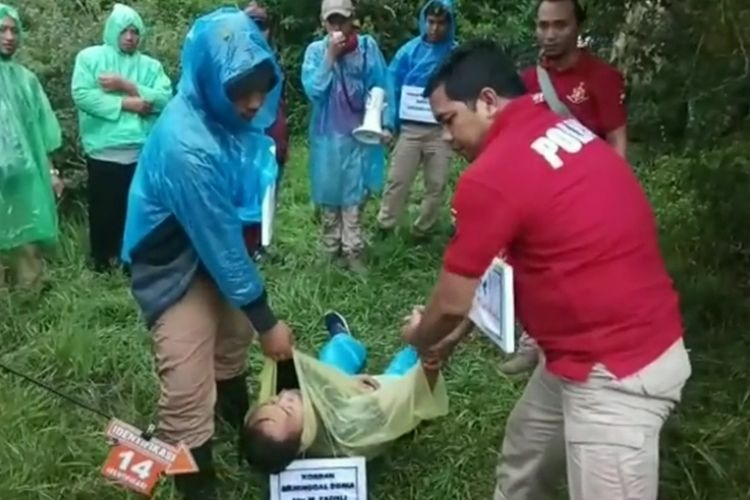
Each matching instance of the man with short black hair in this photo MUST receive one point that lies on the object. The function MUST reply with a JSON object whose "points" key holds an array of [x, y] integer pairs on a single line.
{"points": [[198, 290], [419, 137], [580, 84], [568, 214]]}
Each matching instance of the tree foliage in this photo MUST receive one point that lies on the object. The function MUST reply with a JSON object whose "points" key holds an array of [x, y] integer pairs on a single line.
{"points": [[686, 62]]}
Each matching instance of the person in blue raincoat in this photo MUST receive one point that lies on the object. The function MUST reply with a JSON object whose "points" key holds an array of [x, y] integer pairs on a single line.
{"points": [[337, 74], [420, 140], [197, 288]]}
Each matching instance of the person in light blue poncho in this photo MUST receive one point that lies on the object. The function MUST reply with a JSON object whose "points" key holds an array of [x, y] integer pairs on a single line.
{"points": [[419, 135], [337, 74], [198, 181]]}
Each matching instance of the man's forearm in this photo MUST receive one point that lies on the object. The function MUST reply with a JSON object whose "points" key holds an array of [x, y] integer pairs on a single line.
{"points": [[436, 324]]}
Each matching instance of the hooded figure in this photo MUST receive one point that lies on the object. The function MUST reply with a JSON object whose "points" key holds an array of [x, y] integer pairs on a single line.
{"points": [[420, 137], [29, 132], [119, 92], [192, 277], [337, 74]]}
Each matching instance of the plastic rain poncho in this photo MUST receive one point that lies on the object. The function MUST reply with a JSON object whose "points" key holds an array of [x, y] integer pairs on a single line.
{"points": [[342, 169], [201, 149], [29, 132], [417, 59], [341, 418], [103, 124]]}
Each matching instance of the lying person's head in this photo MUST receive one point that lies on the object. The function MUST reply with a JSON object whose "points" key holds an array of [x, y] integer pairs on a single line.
{"points": [[272, 434]]}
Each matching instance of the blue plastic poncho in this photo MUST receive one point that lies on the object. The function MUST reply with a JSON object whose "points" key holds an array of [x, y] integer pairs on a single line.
{"points": [[29, 132], [342, 170], [417, 59], [201, 150]]}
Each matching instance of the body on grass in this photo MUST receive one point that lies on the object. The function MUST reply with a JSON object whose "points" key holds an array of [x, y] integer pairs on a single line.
{"points": [[324, 407]]}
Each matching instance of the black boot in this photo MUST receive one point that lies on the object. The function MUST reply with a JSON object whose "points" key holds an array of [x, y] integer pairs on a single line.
{"points": [[232, 401], [202, 484]]}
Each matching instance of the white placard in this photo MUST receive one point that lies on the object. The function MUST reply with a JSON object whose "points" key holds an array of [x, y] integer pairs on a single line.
{"points": [[322, 479], [414, 107], [267, 212], [493, 308]]}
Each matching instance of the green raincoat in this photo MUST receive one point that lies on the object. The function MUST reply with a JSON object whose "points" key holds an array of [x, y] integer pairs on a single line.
{"points": [[102, 121], [29, 132]]}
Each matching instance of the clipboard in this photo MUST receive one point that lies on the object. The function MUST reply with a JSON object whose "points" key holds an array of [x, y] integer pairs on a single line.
{"points": [[493, 309]]}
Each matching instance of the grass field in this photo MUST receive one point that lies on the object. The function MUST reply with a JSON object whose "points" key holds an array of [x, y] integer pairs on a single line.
{"points": [[84, 336]]}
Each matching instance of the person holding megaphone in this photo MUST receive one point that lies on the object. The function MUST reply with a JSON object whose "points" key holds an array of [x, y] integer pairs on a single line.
{"points": [[344, 76]]}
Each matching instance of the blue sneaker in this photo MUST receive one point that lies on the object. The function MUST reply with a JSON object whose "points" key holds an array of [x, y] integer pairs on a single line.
{"points": [[336, 323]]}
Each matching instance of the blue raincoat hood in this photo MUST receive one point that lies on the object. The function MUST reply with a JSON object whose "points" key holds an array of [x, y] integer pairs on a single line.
{"points": [[447, 5], [220, 47], [416, 60]]}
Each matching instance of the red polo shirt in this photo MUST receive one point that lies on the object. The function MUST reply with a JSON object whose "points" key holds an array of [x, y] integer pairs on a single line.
{"points": [[592, 90], [590, 282]]}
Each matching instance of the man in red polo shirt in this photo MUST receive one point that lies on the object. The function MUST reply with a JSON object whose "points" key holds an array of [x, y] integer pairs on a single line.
{"points": [[588, 88], [591, 286], [577, 84]]}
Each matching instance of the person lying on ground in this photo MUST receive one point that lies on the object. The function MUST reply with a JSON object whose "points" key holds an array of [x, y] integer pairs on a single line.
{"points": [[330, 409]]}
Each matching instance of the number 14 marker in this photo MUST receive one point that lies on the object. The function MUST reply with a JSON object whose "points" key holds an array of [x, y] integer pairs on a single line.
{"points": [[137, 463]]}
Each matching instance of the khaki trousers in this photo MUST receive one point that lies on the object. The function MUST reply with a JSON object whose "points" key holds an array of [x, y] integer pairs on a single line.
{"points": [[604, 432], [342, 230], [24, 265], [417, 145], [198, 341]]}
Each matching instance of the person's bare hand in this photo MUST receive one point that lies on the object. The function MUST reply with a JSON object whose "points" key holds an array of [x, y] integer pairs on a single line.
{"points": [[336, 44], [58, 186], [387, 137], [112, 83], [277, 343], [411, 323], [137, 105]]}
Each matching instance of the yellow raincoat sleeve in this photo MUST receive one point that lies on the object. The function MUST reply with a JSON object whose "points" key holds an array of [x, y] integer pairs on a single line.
{"points": [[88, 95], [158, 90]]}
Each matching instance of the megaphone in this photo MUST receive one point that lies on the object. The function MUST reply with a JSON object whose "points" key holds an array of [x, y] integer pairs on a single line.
{"points": [[371, 130]]}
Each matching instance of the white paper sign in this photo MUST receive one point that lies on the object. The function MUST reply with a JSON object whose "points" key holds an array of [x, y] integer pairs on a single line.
{"points": [[322, 479], [267, 212], [493, 308], [414, 107]]}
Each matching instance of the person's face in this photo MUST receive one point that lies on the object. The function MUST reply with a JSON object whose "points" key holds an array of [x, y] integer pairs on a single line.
{"points": [[9, 36], [337, 22], [463, 127], [557, 29], [437, 28], [281, 418], [247, 106], [129, 40]]}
